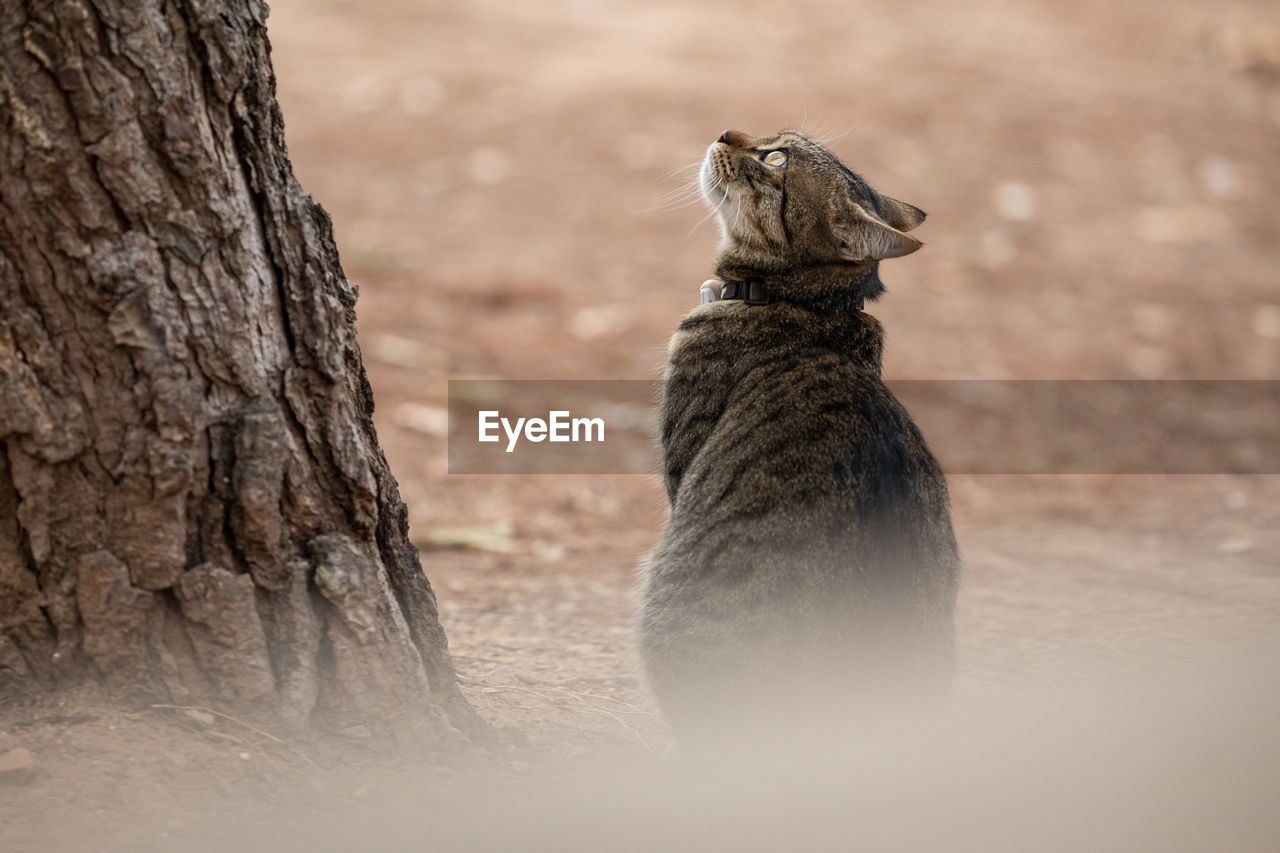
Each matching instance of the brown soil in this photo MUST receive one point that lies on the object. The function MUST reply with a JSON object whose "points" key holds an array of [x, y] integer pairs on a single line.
{"points": [[1101, 183]]}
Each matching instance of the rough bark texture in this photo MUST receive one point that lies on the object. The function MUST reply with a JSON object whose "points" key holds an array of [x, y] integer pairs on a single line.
{"points": [[193, 502]]}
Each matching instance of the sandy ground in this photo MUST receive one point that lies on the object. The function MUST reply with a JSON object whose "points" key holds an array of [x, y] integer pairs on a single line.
{"points": [[507, 182]]}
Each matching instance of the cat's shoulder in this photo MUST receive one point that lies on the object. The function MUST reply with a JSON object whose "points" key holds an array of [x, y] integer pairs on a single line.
{"points": [[705, 321]]}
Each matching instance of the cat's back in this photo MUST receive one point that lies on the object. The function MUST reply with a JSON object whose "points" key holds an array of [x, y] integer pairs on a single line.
{"points": [[792, 467], [809, 557], [795, 415]]}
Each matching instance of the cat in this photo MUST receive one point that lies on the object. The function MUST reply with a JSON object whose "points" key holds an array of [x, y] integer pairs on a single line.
{"points": [[809, 559]]}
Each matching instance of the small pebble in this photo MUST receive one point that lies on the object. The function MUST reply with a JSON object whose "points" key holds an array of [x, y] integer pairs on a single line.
{"points": [[1218, 176], [488, 165], [1015, 201], [1266, 321]]}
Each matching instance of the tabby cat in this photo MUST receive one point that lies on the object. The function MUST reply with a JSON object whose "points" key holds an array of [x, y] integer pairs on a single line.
{"points": [[809, 558]]}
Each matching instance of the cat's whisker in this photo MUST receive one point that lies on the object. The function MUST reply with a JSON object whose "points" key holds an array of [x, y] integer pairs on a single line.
{"points": [[685, 199], [699, 222], [678, 197], [691, 182], [823, 127], [681, 191], [713, 212], [694, 167], [827, 136], [841, 135]]}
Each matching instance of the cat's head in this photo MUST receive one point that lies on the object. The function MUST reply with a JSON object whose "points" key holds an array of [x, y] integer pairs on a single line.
{"points": [[785, 202]]}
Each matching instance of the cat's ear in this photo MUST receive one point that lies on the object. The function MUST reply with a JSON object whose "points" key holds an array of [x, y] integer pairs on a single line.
{"points": [[862, 237], [901, 215]]}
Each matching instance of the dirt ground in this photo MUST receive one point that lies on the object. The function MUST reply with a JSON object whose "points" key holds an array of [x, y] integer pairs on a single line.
{"points": [[508, 186]]}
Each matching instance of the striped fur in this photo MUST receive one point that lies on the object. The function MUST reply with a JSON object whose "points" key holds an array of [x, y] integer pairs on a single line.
{"points": [[809, 553]]}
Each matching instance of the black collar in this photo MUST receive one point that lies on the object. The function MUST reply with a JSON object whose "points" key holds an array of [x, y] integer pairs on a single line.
{"points": [[752, 292]]}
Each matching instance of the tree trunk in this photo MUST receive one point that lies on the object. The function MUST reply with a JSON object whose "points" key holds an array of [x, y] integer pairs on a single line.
{"points": [[193, 504]]}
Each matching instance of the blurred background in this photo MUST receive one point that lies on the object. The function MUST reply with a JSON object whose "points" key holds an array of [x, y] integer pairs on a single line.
{"points": [[509, 187]]}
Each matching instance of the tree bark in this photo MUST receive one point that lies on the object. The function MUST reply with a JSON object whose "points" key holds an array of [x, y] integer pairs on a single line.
{"points": [[193, 503]]}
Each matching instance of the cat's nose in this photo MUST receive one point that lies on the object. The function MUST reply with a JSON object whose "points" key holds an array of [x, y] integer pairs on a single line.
{"points": [[733, 137]]}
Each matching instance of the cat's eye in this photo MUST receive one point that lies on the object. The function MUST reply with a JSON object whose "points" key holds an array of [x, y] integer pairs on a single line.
{"points": [[776, 158]]}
